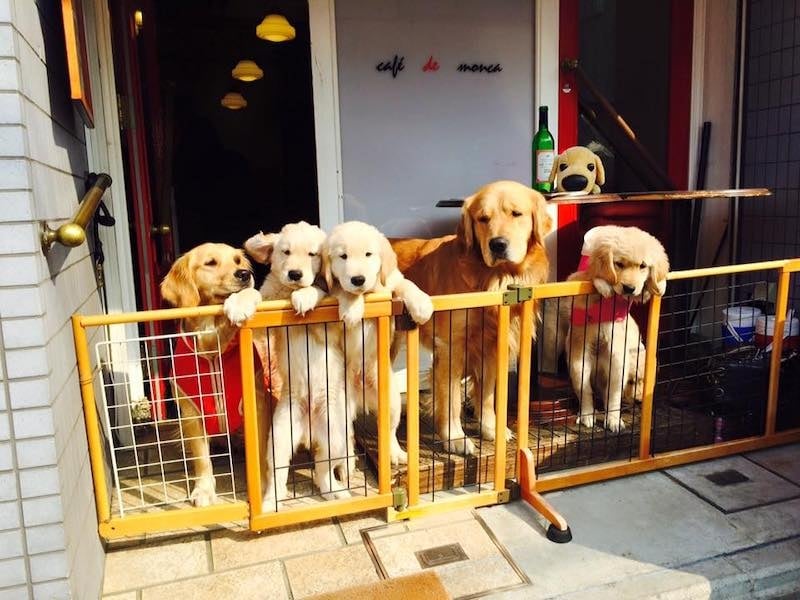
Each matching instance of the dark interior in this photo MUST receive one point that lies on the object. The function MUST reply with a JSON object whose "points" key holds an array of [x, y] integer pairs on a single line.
{"points": [[233, 172]]}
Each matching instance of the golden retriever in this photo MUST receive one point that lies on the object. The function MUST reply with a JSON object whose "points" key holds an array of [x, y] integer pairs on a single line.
{"points": [[499, 241], [603, 345], [205, 275], [311, 409], [357, 260]]}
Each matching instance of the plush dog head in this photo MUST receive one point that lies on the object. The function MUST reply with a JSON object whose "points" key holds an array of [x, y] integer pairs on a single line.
{"points": [[505, 219], [294, 254], [578, 169], [206, 274], [631, 261], [358, 257]]}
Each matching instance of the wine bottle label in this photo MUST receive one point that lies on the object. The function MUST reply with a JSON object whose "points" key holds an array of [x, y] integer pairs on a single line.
{"points": [[544, 164]]}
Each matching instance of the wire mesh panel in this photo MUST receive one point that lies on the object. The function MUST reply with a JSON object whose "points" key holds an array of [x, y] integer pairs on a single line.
{"points": [[712, 377], [185, 457], [588, 382]]}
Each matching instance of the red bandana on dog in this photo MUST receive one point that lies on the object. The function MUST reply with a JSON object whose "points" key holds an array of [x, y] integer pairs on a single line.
{"points": [[214, 388], [604, 310]]}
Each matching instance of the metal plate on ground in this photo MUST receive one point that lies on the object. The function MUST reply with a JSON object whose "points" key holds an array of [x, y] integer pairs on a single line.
{"points": [[440, 555]]}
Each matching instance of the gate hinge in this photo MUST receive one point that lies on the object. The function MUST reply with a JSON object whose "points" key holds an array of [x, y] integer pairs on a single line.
{"points": [[517, 293]]}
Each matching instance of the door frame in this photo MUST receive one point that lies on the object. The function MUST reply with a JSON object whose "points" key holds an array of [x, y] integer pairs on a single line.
{"points": [[322, 25]]}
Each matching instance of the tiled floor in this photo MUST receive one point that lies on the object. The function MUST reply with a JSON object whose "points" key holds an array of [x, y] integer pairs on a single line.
{"points": [[672, 533]]}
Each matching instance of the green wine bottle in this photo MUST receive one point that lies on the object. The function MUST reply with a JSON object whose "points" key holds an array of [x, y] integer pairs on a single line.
{"points": [[543, 154]]}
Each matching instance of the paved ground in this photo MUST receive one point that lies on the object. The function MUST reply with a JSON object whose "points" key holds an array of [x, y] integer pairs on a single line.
{"points": [[727, 528]]}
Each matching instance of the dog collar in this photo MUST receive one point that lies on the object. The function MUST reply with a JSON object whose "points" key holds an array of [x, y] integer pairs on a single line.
{"points": [[604, 310]]}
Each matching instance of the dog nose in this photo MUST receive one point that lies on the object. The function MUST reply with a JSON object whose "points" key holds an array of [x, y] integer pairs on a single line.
{"points": [[295, 275], [358, 280], [498, 245], [574, 183], [628, 289], [242, 275]]}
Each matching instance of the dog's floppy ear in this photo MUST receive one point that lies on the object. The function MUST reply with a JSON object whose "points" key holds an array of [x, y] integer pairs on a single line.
{"points": [[388, 260], [464, 232], [260, 246], [542, 222], [178, 287], [327, 271], [657, 277], [600, 171], [601, 263], [554, 170]]}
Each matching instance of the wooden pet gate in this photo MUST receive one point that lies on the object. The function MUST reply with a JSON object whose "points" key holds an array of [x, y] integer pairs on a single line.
{"points": [[704, 394]]}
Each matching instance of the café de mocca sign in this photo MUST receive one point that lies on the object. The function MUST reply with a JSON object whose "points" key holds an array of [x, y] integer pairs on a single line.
{"points": [[398, 63]]}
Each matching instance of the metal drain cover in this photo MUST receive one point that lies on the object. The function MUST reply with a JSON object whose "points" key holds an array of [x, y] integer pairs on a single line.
{"points": [[440, 555], [727, 477]]}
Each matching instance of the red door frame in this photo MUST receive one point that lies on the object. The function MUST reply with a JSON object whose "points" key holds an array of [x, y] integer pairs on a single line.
{"points": [[680, 93], [127, 66]]}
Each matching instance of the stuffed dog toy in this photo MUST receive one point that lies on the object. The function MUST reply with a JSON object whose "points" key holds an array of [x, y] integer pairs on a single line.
{"points": [[578, 169]]}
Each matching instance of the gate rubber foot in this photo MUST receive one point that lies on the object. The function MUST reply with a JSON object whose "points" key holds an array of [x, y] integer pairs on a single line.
{"points": [[559, 536]]}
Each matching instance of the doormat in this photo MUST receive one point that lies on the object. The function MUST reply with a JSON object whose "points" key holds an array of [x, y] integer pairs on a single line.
{"points": [[419, 586]]}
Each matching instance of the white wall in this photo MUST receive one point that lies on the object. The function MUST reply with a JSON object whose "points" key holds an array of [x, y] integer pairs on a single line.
{"points": [[49, 547], [410, 141], [713, 99]]}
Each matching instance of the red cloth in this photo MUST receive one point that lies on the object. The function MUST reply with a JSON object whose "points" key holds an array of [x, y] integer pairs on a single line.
{"points": [[604, 310], [215, 389]]}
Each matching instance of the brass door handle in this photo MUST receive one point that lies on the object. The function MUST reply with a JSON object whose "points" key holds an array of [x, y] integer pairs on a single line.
{"points": [[73, 233]]}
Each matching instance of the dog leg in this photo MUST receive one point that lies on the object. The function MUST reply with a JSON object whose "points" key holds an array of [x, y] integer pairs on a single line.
{"points": [[263, 419], [612, 390], [447, 403], [204, 492], [484, 406], [397, 454], [330, 452], [280, 448], [580, 372]]}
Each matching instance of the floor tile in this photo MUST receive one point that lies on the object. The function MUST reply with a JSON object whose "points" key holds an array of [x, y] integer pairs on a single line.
{"points": [[236, 549], [454, 516], [149, 564], [761, 488], [329, 571], [352, 525], [485, 569], [261, 581], [769, 523], [122, 596], [783, 460], [614, 525]]}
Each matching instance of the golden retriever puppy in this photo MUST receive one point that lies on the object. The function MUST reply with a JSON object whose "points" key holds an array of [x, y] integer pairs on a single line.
{"points": [[311, 410], [499, 241], [605, 354], [209, 274], [357, 260]]}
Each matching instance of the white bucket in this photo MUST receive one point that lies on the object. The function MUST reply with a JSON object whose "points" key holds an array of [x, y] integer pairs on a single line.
{"points": [[739, 324]]}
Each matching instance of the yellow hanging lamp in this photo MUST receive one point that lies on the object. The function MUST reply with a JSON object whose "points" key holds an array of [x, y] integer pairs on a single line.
{"points": [[275, 28], [233, 101], [247, 70]]}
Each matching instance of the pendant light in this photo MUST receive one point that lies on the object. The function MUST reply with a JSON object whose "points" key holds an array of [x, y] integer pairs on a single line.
{"points": [[275, 28], [247, 70], [233, 101]]}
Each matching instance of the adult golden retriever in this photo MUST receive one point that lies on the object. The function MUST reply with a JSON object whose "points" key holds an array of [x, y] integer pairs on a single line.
{"points": [[604, 350], [205, 275], [499, 241]]}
